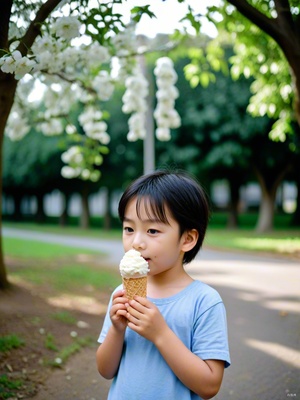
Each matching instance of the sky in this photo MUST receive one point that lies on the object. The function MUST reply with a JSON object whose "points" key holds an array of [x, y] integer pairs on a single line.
{"points": [[168, 13]]}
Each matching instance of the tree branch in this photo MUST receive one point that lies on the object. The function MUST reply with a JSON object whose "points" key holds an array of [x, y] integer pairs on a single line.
{"points": [[5, 11], [34, 28], [287, 25], [268, 25]]}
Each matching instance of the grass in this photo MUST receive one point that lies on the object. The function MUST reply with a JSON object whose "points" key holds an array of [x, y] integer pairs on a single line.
{"points": [[65, 317], [10, 342], [8, 386], [58, 265], [34, 248], [281, 242], [68, 351]]}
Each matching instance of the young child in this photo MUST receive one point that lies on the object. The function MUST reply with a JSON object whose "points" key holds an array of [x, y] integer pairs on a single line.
{"points": [[173, 344]]}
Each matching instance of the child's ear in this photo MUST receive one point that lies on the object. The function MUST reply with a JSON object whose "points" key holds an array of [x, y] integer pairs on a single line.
{"points": [[189, 240]]}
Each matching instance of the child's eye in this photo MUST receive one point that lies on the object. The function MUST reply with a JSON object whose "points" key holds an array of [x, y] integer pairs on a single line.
{"points": [[153, 231], [127, 229]]}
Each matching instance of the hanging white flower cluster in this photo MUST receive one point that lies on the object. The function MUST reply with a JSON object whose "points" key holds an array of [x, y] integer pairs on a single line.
{"points": [[103, 85], [74, 157], [134, 101], [165, 114], [125, 45], [94, 128]]}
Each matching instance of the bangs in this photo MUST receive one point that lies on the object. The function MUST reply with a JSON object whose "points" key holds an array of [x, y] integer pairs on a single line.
{"points": [[154, 207]]}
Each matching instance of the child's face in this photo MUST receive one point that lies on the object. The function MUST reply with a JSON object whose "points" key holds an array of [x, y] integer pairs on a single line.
{"points": [[158, 242]]}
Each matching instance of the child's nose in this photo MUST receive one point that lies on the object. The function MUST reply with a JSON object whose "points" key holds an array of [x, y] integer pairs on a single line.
{"points": [[138, 242]]}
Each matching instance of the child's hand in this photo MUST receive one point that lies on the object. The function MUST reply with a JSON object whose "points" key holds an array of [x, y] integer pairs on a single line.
{"points": [[144, 318], [118, 311]]}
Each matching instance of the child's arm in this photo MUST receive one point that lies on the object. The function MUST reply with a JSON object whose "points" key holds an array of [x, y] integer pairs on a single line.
{"points": [[202, 377], [110, 351]]}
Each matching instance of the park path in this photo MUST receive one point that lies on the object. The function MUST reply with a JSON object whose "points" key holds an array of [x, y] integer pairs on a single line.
{"points": [[262, 299]]}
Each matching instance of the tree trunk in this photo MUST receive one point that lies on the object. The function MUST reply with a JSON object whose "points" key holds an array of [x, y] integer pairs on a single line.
{"points": [[40, 215], [85, 210], [17, 199], [107, 215], [7, 92], [234, 188], [266, 211], [63, 219], [296, 215], [265, 221]]}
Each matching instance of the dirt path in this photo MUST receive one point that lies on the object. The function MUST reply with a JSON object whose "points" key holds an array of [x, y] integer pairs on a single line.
{"points": [[78, 380]]}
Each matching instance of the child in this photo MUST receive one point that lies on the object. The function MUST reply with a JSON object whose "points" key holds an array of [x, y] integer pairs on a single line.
{"points": [[173, 344]]}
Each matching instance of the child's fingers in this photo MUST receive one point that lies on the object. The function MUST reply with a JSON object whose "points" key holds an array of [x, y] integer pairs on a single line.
{"points": [[119, 293], [139, 303]]}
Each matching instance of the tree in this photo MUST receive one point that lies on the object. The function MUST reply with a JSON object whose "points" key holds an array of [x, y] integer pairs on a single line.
{"points": [[218, 139], [43, 40], [266, 40]]}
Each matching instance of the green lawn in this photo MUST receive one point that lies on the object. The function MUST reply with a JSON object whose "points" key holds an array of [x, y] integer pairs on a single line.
{"points": [[36, 249], [63, 268], [281, 242]]}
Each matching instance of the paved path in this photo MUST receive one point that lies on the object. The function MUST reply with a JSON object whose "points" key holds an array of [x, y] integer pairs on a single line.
{"points": [[262, 298]]}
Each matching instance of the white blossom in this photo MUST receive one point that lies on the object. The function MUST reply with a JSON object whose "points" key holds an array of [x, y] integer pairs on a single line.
{"points": [[103, 85], [94, 127], [72, 155], [16, 64], [52, 127], [69, 172], [17, 126], [134, 101], [163, 134], [165, 114], [66, 27], [8, 64], [95, 55]]}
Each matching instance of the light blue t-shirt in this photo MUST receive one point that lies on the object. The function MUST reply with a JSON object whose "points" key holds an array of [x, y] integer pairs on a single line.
{"points": [[197, 316]]}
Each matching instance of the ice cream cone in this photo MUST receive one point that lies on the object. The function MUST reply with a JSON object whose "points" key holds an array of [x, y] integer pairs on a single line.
{"points": [[134, 269], [135, 287]]}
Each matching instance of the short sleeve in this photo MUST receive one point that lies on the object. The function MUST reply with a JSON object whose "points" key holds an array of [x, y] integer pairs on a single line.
{"points": [[210, 338]]}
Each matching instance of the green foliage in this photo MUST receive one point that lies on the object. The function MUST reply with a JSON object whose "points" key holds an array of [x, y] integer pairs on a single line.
{"points": [[10, 342], [138, 11], [22, 160], [8, 386], [256, 55], [218, 138], [65, 316], [68, 351], [50, 342]]}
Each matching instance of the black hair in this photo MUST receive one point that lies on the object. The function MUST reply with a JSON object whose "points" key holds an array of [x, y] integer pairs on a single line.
{"points": [[184, 197]]}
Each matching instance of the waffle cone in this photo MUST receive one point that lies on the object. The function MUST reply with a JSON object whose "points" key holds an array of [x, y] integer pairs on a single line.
{"points": [[135, 287]]}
